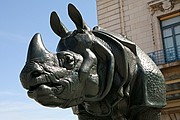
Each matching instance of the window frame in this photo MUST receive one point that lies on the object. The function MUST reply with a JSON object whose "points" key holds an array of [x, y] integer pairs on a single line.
{"points": [[172, 27]]}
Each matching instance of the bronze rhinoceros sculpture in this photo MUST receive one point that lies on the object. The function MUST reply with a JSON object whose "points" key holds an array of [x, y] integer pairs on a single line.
{"points": [[100, 74]]}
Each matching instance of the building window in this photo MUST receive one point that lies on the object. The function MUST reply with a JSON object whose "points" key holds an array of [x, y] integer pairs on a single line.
{"points": [[170, 26]]}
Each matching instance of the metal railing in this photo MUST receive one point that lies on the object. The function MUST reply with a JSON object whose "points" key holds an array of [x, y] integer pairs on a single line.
{"points": [[164, 56]]}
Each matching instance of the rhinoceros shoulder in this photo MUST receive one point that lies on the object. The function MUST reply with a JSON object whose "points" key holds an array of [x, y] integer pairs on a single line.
{"points": [[122, 39]]}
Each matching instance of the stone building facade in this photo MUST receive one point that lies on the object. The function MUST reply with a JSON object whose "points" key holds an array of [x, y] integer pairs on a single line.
{"points": [[154, 25]]}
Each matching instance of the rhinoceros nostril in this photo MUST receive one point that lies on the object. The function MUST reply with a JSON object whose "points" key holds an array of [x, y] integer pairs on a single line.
{"points": [[36, 74]]}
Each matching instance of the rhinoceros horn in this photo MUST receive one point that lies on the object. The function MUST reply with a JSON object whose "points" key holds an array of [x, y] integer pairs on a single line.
{"points": [[36, 48]]}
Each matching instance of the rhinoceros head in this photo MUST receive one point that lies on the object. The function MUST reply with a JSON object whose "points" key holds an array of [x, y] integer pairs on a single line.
{"points": [[59, 80]]}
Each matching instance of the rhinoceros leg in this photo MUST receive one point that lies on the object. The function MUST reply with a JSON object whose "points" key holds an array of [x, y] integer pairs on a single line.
{"points": [[86, 116], [145, 114]]}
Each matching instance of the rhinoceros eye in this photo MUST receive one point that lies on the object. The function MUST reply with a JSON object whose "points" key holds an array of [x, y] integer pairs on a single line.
{"points": [[68, 61], [69, 58]]}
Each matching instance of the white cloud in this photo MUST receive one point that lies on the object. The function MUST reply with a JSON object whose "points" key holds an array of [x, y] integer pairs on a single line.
{"points": [[13, 36], [13, 110], [9, 93], [26, 109]]}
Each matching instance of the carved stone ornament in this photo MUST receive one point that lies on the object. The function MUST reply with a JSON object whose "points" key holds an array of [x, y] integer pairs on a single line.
{"points": [[161, 5], [100, 74]]}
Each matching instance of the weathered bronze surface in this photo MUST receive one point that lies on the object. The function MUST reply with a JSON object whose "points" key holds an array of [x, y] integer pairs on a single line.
{"points": [[100, 74]]}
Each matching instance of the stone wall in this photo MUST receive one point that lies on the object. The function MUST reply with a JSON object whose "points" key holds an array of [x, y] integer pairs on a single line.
{"points": [[137, 19]]}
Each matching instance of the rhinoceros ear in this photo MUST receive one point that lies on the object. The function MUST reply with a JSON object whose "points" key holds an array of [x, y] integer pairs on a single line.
{"points": [[57, 26], [76, 17]]}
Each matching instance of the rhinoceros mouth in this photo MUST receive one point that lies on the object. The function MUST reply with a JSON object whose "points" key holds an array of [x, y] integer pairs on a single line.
{"points": [[51, 85], [45, 80], [45, 90], [55, 89]]}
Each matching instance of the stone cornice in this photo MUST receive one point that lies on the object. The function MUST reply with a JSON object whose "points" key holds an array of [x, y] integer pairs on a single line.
{"points": [[161, 5]]}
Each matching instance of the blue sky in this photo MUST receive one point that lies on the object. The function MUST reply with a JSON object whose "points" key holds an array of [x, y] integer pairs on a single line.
{"points": [[19, 21]]}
